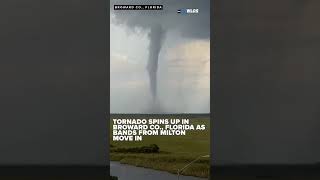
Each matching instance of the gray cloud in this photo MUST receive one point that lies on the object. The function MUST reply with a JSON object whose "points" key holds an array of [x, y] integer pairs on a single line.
{"points": [[160, 23], [192, 26]]}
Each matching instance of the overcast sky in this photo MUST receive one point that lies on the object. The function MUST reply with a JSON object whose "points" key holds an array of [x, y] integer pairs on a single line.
{"points": [[184, 59]]}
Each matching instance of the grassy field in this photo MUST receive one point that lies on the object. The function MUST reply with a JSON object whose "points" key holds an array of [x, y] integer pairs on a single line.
{"points": [[175, 151]]}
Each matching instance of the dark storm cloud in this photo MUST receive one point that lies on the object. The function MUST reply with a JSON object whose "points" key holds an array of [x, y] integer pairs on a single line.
{"points": [[193, 26], [159, 23], [266, 86]]}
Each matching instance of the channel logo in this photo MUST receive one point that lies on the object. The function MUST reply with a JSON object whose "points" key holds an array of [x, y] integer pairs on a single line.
{"points": [[188, 11]]}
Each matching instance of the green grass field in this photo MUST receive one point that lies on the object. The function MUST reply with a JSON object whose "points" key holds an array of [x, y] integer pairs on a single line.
{"points": [[175, 151]]}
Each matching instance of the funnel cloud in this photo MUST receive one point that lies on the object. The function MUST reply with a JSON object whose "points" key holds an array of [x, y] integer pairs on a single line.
{"points": [[156, 37], [154, 78]]}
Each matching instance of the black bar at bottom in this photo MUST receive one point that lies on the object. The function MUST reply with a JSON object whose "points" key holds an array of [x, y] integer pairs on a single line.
{"points": [[266, 171], [57, 172]]}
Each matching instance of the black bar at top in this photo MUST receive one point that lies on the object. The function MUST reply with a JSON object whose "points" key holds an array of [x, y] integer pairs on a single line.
{"points": [[138, 7]]}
